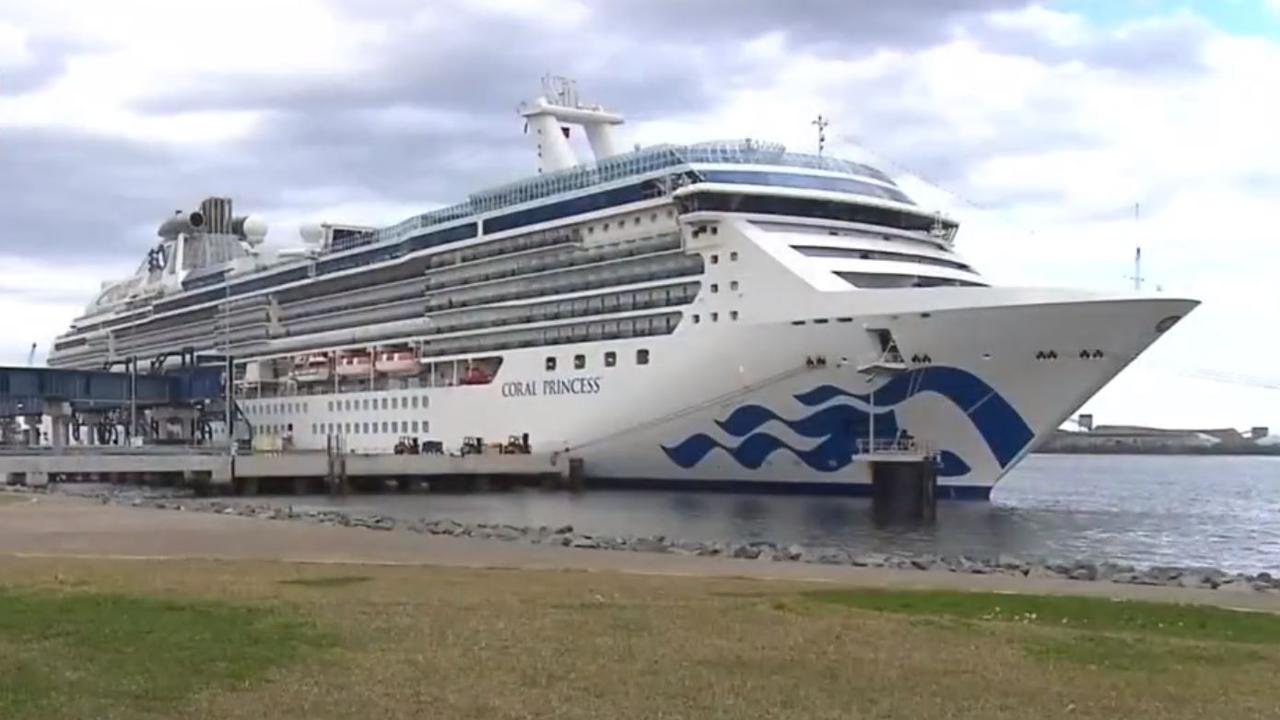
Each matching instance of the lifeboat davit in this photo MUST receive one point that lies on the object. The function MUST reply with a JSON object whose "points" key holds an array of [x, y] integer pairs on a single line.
{"points": [[353, 363], [396, 362], [312, 368]]}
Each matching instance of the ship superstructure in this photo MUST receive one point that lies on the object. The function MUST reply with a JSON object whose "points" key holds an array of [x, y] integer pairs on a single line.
{"points": [[715, 313]]}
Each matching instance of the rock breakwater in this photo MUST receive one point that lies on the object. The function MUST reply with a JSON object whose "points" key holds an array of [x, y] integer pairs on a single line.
{"points": [[568, 536]]}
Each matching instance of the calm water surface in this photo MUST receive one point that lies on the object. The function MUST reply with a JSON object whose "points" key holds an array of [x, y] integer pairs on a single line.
{"points": [[1145, 510]]}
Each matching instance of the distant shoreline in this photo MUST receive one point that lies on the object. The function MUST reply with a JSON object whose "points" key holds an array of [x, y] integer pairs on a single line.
{"points": [[1048, 449]]}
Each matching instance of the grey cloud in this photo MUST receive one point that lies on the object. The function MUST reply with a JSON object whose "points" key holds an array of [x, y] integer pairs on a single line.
{"points": [[49, 60], [457, 68], [903, 131], [50, 56], [458, 84], [78, 196], [1160, 47], [828, 26], [89, 198]]}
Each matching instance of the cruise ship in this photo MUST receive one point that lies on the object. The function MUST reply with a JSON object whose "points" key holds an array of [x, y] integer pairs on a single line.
{"points": [[711, 315]]}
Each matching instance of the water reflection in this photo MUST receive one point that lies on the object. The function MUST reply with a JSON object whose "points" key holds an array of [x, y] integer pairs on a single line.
{"points": [[1144, 510]]}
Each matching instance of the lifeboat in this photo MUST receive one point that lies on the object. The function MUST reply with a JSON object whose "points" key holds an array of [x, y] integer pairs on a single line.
{"points": [[397, 361], [312, 368], [353, 363]]}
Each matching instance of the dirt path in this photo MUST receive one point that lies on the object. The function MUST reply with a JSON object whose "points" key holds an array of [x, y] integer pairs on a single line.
{"points": [[73, 527]]}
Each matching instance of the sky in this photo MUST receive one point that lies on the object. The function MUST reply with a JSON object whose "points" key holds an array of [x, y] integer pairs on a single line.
{"points": [[1039, 126]]}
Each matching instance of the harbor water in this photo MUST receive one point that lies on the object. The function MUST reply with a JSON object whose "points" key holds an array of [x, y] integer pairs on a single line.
{"points": [[1144, 510]]}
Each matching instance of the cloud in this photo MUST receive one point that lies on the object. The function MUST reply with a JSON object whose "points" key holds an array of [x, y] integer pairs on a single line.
{"points": [[827, 27], [1169, 45], [38, 299]]}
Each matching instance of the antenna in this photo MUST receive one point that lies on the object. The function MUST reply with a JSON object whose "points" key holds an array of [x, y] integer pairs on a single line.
{"points": [[1137, 254], [31, 356], [822, 124]]}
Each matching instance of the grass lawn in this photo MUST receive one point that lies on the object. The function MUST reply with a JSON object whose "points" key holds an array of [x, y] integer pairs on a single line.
{"points": [[208, 639]]}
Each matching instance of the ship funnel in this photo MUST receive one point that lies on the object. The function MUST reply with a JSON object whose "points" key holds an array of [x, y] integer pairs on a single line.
{"points": [[181, 222]]}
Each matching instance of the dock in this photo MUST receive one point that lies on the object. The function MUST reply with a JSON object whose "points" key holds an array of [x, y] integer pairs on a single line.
{"points": [[218, 471]]}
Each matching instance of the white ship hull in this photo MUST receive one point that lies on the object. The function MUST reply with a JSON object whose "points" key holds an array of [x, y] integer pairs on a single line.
{"points": [[739, 407]]}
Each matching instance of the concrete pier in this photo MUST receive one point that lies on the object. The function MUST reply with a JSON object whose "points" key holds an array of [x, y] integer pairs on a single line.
{"points": [[904, 491], [294, 471]]}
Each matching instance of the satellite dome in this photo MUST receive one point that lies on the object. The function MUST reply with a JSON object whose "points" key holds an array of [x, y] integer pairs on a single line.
{"points": [[311, 234], [251, 227]]}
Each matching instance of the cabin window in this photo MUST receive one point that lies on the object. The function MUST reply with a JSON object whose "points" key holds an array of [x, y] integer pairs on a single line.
{"points": [[330, 406], [366, 429], [733, 256], [715, 259], [551, 363], [610, 359], [579, 362], [696, 319], [384, 426], [642, 357], [385, 403], [415, 426], [715, 317], [733, 284], [413, 402], [424, 401], [733, 314], [364, 404]]}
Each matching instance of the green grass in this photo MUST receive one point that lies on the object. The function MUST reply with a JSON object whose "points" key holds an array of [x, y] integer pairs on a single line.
{"points": [[439, 642], [1130, 653], [327, 582], [1097, 633], [87, 655], [1188, 622]]}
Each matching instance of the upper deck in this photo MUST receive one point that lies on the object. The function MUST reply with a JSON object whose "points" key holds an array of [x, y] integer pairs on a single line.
{"points": [[635, 164], [642, 175]]}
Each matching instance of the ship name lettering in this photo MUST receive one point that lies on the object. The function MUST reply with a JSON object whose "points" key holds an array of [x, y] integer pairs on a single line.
{"points": [[583, 385]]}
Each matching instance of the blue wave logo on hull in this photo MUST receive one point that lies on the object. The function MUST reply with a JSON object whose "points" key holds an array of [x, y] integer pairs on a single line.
{"points": [[838, 427]]}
